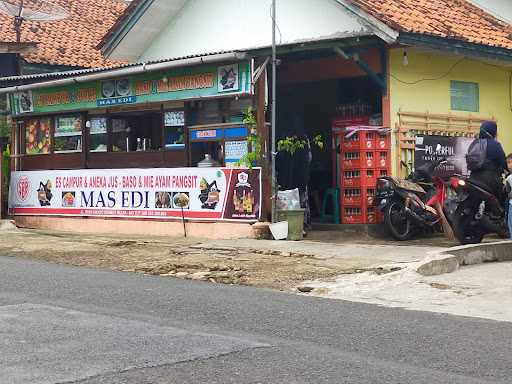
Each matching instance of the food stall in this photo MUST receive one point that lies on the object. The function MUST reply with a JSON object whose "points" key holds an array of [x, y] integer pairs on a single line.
{"points": [[135, 147]]}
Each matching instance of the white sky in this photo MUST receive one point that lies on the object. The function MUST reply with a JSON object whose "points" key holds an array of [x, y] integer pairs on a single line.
{"points": [[500, 8]]}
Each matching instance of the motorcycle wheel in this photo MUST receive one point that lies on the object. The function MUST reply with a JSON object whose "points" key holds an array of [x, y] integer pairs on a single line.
{"points": [[399, 225], [464, 232]]}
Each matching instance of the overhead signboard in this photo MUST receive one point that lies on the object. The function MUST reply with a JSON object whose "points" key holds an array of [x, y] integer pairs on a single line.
{"points": [[176, 84]]}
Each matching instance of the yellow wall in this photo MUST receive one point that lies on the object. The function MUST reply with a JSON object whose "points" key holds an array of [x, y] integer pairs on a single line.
{"points": [[434, 95]]}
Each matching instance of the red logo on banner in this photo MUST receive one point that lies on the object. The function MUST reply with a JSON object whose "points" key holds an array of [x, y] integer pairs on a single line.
{"points": [[23, 188]]}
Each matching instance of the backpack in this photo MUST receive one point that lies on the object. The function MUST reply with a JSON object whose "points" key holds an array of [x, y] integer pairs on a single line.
{"points": [[477, 154]]}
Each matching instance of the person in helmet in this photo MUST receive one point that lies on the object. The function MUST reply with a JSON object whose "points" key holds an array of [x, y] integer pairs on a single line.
{"points": [[491, 173]]}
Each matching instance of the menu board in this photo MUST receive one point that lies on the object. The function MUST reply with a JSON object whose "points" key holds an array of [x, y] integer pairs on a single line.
{"points": [[37, 136], [235, 151], [174, 119]]}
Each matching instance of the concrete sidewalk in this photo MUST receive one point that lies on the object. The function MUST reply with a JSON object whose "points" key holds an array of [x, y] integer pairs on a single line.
{"points": [[472, 280], [357, 253]]}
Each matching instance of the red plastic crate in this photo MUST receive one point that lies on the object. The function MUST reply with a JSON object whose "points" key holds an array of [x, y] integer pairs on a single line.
{"points": [[351, 196], [382, 142], [358, 196], [369, 195], [380, 172], [373, 215], [352, 215], [363, 140], [351, 178], [359, 178], [359, 160], [361, 214], [383, 159], [369, 177]]}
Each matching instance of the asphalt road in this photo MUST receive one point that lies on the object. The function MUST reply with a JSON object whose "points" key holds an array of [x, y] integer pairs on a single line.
{"points": [[62, 324]]}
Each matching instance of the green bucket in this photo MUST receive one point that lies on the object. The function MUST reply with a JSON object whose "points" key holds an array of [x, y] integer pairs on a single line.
{"points": [[295, 219]]}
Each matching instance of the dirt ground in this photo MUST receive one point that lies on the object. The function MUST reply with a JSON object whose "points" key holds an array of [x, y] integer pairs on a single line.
{"points": [[182, 258]]}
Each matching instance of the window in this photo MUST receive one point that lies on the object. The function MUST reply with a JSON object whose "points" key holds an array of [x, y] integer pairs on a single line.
{"points": [[138, 131], [37, 136], [120, 135], [68, 134], [98, 134], [465, 96]]}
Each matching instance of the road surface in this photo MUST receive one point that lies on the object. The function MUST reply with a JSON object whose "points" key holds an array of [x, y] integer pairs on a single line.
{"points": [[61, 324]]}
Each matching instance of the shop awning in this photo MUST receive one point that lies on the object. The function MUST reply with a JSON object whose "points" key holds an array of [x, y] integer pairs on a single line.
{"points": [[86, 75]]}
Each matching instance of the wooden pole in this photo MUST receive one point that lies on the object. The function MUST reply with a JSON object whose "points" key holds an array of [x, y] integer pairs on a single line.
{"points": [[183, 219]]}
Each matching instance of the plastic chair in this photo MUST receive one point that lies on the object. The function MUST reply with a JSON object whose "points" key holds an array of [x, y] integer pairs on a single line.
{"points": [[331, 195]]}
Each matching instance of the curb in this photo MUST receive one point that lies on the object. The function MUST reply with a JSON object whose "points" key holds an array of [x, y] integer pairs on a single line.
{"points": [[452, 259]]}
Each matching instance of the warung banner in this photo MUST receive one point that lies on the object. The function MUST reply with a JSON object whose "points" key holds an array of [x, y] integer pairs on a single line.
{"points": [[204, 193]]}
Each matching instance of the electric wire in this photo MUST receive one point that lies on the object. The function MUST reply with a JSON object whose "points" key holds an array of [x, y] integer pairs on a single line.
{"points": [[429, 79], [277, 25], [450, 70]]}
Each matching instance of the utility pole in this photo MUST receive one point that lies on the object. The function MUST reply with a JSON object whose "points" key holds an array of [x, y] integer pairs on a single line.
{"points": [[274, 104]]}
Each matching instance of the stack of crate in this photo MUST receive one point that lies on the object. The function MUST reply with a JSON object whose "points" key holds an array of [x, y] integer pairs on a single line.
{"points": [[365, 156]]}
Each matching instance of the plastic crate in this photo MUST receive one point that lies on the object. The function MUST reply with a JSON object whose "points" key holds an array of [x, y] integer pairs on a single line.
{"points": [[382, 142], [358, 196], [383, 159], [362, 140], [359, 159], [369, 177], [351, 178], [359, 178], [369, 195], [373, 215], [352, 215], [351, 196], [381, 172]]}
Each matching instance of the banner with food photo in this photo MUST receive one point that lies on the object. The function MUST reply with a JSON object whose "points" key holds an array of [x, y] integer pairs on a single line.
{"points": [[201, 193]]}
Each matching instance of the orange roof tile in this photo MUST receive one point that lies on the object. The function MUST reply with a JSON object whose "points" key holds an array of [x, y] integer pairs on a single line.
{"points": [[70, 42], [455, 19]]}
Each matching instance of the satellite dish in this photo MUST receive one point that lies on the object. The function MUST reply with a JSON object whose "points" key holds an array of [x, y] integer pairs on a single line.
{"points": [[31, 10]]}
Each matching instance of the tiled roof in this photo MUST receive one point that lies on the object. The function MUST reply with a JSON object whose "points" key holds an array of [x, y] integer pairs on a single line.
{"points": [[70, 42], [120, 21], [454, 19]]}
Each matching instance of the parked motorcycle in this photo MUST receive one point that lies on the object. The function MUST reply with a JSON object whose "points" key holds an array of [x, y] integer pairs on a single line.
{"points": [[473, 211], [406, 204]]}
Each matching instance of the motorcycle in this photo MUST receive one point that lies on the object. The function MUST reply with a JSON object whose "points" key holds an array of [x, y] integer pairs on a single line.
{"points": [[473, 211], [408, 204]]}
